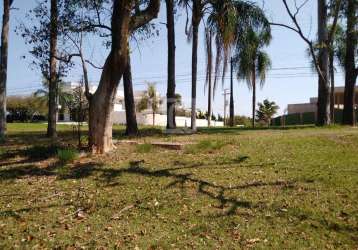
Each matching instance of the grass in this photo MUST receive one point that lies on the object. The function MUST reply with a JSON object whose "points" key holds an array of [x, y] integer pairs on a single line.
{"points": [[67, 155], [231, 189], [144, 148]]}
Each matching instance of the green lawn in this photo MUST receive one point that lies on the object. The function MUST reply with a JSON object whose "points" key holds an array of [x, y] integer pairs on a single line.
{"points": [[227, 189]]}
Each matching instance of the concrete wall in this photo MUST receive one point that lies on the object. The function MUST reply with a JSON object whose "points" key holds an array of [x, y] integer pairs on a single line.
{"points": [[161, 120], [301, 108]]}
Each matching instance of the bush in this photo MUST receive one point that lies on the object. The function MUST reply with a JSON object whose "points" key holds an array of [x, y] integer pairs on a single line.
{"points": [[144, 148], [67, 155]]}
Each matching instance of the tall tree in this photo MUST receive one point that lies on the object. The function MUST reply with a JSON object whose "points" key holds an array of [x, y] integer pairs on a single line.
{"points": [[124, 23], [325, 37], [3, 64], [228, 20], [232, 112], [350, 62], [209, 69], [323, 107], [53, 106], [131, 119], [252, 62], [196, 18], [171, 65]]}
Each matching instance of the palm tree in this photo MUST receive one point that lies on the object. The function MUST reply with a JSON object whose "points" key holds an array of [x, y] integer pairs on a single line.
{"points": [[227, 20], [251, 61], [150, 100], [197, 7], [171, 65], [266, 111]]}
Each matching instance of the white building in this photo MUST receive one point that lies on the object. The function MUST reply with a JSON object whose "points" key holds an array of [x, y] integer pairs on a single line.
{"points": [[143, 118]]}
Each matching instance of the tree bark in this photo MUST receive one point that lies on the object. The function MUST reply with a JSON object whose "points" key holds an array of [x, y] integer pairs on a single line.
{"points": [[332, 92], [171, 100], [253, 95], [131, 119], [232, 113], [350, 68], [3, 65], [52, 104], [323, 107], [196, 21]]}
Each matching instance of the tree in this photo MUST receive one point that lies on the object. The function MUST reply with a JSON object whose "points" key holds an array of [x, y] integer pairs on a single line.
{"points": [[325, 38], [251, 61], [171, 65], [3, 64], [350, 62], [266, 111], [226, 21], [196, 17], [52, 104], [131, 118], [24, 109], [150, 100], [126, 18]]}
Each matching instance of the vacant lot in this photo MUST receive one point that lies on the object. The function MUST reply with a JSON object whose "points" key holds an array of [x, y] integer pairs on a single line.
{"points": [[227, 189]]}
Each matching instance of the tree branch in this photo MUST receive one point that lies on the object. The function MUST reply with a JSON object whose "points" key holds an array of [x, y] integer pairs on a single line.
{"points": [[141, 18]]}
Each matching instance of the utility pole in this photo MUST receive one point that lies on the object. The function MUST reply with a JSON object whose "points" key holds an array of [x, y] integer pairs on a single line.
{"points": [[232, 95], [226, 93]]}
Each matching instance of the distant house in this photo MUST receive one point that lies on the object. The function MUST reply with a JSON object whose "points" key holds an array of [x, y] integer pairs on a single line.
{"points": [[143, 118], [311, 107]]}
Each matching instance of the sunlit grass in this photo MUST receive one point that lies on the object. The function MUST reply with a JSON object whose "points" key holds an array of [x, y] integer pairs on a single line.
{"points": [[227, 189]]}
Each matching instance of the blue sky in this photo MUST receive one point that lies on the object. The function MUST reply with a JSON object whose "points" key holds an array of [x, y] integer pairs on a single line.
{"points": [[282, 86]]}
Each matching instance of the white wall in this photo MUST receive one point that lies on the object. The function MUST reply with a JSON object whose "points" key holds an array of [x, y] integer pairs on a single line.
{"points": [[161, 120]]}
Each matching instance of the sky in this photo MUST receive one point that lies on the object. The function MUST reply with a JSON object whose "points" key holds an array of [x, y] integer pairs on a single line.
{"points": [[149, 63]]}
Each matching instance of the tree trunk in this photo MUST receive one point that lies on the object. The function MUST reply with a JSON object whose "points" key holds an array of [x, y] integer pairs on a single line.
{"points": [[323, 107], [3, 65], [253, 95], [171, 100], [153, 119], [131, 119], [196, 21], [232, 113], [331, 73], [210, 108], [52, 104], [101, 104], [350, 68]]}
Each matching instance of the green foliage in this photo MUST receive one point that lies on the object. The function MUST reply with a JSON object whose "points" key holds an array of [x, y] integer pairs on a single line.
{"points": [[26, 108], [242, 120], [67, 155], [144, 148], [266, 111]]}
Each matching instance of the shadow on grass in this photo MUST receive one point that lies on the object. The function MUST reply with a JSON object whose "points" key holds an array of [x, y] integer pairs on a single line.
{"points": [[228, 204]]}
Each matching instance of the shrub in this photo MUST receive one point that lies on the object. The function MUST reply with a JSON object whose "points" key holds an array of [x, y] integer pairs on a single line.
{"points": [[144, 148], [67, 155]]}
